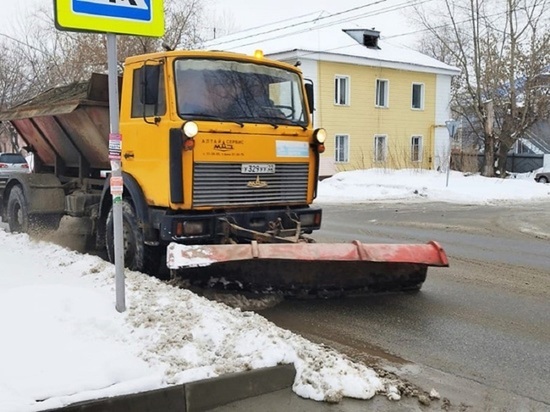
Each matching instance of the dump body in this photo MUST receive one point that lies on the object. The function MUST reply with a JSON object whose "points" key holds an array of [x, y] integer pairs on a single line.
{"points": [[67, 128]]}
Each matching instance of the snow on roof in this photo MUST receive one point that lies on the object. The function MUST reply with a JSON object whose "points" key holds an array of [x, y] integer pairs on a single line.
{"points": [[320, 37]]}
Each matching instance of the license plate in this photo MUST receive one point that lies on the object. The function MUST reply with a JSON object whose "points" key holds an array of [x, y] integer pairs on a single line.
{"points": [[258, 168]]}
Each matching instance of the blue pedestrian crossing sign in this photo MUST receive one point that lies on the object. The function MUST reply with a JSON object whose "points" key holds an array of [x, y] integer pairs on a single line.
{"points": [[134, 17]]}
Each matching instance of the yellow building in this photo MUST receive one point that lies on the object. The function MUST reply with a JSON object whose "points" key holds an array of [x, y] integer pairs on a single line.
{"points": [[383, 106]]}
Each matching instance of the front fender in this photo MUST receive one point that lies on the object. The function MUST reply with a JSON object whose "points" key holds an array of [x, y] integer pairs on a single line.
{"points": [[133, 192]]}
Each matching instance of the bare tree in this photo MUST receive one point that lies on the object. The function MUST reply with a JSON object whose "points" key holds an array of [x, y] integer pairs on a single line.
{"points": [[527, 100], [47, 57], [502, 49]]}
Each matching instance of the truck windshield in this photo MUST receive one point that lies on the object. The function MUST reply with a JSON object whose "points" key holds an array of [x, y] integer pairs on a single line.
{"points": [[237, 91]]}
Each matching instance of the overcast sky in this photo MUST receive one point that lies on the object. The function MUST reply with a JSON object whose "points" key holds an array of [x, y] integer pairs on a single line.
{"points": [[388, 16]]}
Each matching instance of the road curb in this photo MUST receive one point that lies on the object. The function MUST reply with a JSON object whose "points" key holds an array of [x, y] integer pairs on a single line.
{"points": [[196, 396]]}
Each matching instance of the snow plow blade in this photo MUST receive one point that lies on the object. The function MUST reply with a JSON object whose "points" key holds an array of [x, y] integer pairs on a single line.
{"points": [[307, 268]]}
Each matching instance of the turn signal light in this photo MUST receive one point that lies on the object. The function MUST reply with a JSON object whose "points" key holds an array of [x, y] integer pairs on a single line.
{"points": [[321, 148], [189, 144], [318, 219]]}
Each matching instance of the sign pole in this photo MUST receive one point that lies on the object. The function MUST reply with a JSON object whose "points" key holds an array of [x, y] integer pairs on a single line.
{"points": [[136, 18], [452, 125], [115, 148]]}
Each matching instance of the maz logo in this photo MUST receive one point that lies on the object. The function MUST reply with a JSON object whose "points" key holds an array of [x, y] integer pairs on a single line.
{"points": [[223, 147], [257, 184]]}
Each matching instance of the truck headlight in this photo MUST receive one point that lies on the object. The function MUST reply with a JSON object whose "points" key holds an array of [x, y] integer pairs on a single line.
{"points": [[190, 129], [320, 135]]}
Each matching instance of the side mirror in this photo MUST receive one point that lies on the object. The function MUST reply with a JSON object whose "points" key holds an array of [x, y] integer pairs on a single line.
{"points": [[309, 95], [150, 75]]}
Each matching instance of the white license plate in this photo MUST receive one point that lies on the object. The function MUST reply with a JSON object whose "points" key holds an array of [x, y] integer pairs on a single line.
{"points": [[258, 168]]}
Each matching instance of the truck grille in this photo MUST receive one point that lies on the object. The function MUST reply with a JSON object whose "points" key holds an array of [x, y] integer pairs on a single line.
{"points": [[221, 184]]}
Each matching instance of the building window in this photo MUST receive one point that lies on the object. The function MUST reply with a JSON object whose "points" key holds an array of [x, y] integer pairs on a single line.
{"points": [[416, 148], [418, 96], [341, 90], [341, 148], [382, 87], [380, 148]]}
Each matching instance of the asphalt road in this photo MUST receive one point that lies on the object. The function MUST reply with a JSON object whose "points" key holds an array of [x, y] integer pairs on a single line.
{"points": [[478, 332]]}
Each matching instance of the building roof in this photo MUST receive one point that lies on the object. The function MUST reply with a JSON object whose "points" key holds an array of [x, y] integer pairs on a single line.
{"points": [[319, 37], [539, 136]]}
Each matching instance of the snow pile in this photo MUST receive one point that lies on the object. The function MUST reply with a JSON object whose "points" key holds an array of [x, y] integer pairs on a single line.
{"points": [[419, 185], [64, 342]]}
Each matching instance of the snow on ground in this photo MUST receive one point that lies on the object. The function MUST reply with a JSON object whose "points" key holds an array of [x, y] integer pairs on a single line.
{"points": [[64, 342], [421, 185]]}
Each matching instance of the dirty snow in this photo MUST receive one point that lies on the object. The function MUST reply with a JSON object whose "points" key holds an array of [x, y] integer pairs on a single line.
{"points": [[63, 341]]}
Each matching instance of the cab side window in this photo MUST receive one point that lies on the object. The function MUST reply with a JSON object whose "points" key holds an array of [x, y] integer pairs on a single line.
{"points": [[140, 108]]}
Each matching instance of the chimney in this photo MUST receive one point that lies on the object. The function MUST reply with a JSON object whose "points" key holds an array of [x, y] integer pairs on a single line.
{"points": [[370, 38]]}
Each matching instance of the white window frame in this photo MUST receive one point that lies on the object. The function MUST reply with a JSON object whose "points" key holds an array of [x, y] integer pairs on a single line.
{"points": [[338, 80], [420, 148], [385, 147], [422, 87], [338, 151], [386, 95]]}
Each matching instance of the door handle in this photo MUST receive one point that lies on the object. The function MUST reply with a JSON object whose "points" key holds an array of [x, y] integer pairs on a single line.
{"points": [[129, 155]]}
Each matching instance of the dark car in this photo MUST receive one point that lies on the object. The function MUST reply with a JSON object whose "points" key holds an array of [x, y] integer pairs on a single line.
{"points": [[543, 177], [13, 163]]}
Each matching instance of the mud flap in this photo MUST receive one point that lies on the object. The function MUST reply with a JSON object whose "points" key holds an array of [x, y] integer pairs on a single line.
{"points": [[308, 267]]}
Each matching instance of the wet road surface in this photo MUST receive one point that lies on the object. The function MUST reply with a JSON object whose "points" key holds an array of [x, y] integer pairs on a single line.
{"points": [[478, 331]]}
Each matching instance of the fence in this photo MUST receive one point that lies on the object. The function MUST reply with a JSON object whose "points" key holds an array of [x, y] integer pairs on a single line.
{"points": [[516, 163]]}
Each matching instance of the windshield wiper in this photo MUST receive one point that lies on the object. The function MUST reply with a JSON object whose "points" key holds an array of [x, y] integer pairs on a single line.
{"points": [[212, 117], [285, 121], [265, 118], [269, 120]]}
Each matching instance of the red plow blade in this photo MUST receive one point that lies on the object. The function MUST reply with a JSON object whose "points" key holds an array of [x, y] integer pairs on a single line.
{"points": [[311, 268]]}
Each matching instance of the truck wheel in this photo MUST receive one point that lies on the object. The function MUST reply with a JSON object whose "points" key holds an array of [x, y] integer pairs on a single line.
{"points": [[137, 255], [18, 214]]}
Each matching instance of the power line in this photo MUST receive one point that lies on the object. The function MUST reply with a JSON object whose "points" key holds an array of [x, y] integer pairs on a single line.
{"points": [[330, 23], [369, 14], [404, 34], [292, 25]]}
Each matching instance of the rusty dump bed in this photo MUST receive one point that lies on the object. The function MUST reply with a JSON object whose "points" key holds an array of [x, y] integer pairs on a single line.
{"points": [[299, 269], [67, 127]]}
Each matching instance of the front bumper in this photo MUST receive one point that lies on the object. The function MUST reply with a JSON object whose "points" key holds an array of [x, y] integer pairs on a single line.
{"points": [[204, 228]]}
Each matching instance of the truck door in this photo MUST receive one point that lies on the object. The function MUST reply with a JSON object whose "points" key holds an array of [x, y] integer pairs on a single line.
{"points": [[144, 134]]}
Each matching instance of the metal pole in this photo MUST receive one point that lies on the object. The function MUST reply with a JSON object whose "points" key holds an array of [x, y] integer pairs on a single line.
{"points": [[451, 128], [448, 169], [115, 144]]}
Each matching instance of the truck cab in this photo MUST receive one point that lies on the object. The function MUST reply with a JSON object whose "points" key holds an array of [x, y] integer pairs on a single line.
{"points": [[217, 139]]}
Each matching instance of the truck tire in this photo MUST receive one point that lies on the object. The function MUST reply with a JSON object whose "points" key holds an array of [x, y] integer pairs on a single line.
{"points": [[137, 255], [17, 211]]}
